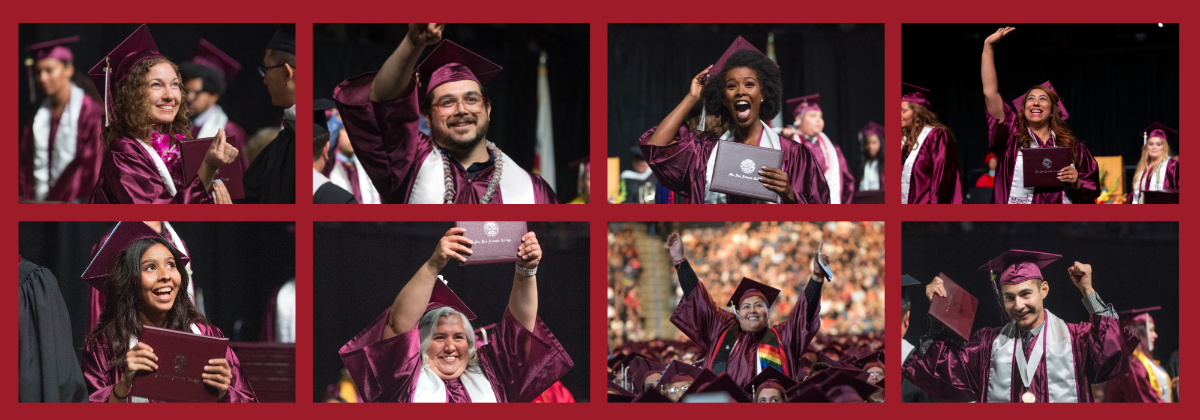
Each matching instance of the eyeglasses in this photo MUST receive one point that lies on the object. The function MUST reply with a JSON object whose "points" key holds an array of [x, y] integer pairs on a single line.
{"points": [[677, 389], [448, 105], [262, 71]]}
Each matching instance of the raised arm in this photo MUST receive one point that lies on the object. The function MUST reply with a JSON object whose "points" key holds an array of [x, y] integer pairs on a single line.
{"points": [[414, 297], [394, 76], [669, 127], [523, 301], [991, 86], [687, 278]]}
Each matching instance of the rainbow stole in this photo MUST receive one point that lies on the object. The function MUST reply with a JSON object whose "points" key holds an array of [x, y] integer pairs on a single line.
{"points": [[770, 354]]}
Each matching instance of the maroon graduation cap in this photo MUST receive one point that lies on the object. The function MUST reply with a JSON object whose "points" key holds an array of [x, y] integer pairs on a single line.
{"points": [[846, 386], [47, 49], [442, 296], [724, 385], [1020, 102], [915, 94], [869, 129], [738, 45], [1157, 130], [114, 67], [120, 237], [769, 378], [804, 104], [1016, 266], [210, 56], [747, 288], [450, 62], [1137, 316], [483, 335]]}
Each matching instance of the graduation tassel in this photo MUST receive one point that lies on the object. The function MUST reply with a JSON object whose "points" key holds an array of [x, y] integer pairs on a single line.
{"points": [[1003, 314], [1145, 138], [107, 70], [703, 119], [29, 72]]}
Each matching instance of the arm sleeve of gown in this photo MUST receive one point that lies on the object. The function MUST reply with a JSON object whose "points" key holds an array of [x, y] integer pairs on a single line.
{"points": [[96, 373], [806, 177], [687, 277], [947, 369], [801, 327], [49, 371], [1089, 177], [385, 135], [542, 192], [673, 164], [132, 181], [1132, 386], [526, 362], [1105, 345], [699, 319], [1000, 132], [943, 158], [383, 370]]}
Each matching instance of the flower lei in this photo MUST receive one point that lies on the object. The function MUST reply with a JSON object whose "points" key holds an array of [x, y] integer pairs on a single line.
{"points": [[169, 152], [492, 183]]}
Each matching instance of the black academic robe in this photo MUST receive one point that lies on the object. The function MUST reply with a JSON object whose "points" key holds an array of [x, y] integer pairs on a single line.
{"points": [[271, 178], [47, 367], [333, 194]]}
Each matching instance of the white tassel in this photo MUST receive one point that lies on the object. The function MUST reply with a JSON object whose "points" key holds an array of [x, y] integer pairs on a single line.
{"points": [[107, 70], [703, 119], [1145, 138]]}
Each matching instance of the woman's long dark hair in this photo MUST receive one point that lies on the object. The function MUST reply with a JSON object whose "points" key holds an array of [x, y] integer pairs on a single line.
{"points": [[122, 290], [1063, 137], [861, 167], [769, 80]]}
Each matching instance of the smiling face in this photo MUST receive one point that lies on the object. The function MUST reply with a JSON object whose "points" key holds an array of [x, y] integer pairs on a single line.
{"points": [[52, 75], [906, 115], [752, 314], [1023, 301], [743, 96], [1154, 148], [160, 280], [1037, 106], [769, 395], [458, 115], [810, 123], [449, 349], [164, 92], [197, 100]]}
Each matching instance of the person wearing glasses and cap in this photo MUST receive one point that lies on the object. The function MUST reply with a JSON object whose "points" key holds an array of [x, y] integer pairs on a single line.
{"points": [[60, 149], [206, 76], [422, 348], [1035, 356], [742, 343], [930, 174], [810, 131], [145, 118], [1146, 380], [140, 274], [271, 177], [1156, 170], [455, 164], [1036, 119], [325, 191]]}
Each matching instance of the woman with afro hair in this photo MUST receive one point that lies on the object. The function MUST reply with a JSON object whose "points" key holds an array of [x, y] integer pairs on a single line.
{"points": [[744, 90]]}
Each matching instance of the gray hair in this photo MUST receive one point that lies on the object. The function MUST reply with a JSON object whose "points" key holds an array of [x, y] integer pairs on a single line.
{"points": [[428, 324]]}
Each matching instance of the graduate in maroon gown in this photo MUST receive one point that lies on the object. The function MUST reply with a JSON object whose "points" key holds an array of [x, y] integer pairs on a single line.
{"points": [[145, 117], [60, 149], [1036, 119], [457, 164], [870, 170], [742, 345], [206, 76], [142, 276], [743, 88], [1036, 356], [1156, 170], [1146, 381], [809, 130], [422, 348], [930, 174], [96, 299]]}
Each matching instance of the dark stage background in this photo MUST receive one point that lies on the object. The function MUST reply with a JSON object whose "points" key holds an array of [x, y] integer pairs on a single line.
{"points": [[360, 268], [246, 100], [238, 266], [1114, 79], [651, 65], [343, 50], [1134, 265]]}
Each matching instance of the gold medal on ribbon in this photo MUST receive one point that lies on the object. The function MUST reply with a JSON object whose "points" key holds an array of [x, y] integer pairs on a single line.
{"points": [[1028, 397]]}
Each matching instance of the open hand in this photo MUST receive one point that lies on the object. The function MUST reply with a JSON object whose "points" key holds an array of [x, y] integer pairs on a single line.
{"points": [[218, 375], [998, 35], [936, 287], [776, 180], [675, 248], [698, 83]]}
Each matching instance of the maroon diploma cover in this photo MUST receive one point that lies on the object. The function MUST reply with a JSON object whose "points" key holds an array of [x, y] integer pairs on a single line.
{"points": [[181, 361], [495, 242], [736, 170], [1042, 165], [193, 152], [957, 310]]}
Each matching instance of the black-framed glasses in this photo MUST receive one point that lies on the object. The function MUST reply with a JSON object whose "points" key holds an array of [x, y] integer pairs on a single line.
{"points": [[262, 71]]}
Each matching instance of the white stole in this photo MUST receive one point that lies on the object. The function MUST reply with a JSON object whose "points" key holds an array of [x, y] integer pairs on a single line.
{"points": [[516, 186], [769, 139], [163, 173], [1058, 360], [133, 342], [338, 176], [1157, 179], [46, 170], [906, 173], [1018, 194], [430, 387], [870, 178], [833, 167], [906, 349], [213, 120]]}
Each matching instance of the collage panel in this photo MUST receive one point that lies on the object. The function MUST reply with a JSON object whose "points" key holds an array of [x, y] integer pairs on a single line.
{"points": [[1072, 113], [745, 312], [440, 113], [745, 113], [1040, 312], [116, 115], [450, 312], [157, 312]]}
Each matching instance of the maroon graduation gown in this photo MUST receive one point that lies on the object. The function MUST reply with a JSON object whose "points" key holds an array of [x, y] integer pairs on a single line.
{"points": [[849, 185], [1171, 182], [101, 378], [239, 142], [682, 167], [703, 322], [391, 148], [1003, 141], [78, 179], [520, 364], [128, 175], [954, 372], [1133, 386], [936, 178]]}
